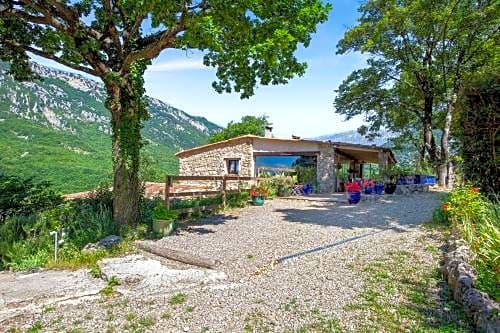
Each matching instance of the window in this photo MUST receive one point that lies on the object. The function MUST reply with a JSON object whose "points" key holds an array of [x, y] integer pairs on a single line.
{"points": [[233, 167]]}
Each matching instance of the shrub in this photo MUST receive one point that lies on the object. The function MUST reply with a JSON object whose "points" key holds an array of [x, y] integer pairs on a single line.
{"points": [[280, 185], [25, 196], [237, 200], [478, 130], [197, 202], [160, 212], [478, 221]]}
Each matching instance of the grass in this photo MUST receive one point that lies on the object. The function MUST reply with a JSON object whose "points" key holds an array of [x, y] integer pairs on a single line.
{"points": [[112, 282], [139, 325], [320, 324], [177, 299], [405, 294], [77, 259]]}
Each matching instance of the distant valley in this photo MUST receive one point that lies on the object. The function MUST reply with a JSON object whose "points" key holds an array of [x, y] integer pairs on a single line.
{"points": [[58, 129]]}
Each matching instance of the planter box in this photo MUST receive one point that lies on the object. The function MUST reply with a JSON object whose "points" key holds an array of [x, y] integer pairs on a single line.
{"points": [[164, 227]]}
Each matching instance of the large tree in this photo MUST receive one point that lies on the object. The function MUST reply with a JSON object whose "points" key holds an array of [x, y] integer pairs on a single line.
{"points": [[420, 52], [249, 42], [247, 125]]}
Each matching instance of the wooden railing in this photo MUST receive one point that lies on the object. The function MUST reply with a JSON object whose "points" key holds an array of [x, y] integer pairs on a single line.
{"points": [[222, 191]]}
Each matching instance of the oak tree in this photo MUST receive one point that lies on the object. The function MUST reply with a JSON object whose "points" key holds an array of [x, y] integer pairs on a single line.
{"points": [[420, 51], [250, 42], [248, 125]]}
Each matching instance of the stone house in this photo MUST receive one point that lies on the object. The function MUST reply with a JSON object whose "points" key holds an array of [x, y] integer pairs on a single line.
{"points": [[238, 156]]}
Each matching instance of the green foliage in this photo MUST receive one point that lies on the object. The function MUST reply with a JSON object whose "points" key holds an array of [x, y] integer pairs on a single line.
{"points": [[279, 185], [25, 240], [112, 282], [178, 298], [420, 51], [479, 122], [197, 202], [160, 212], [237, 200], [25, 196], [478, 221], [248, 125]]}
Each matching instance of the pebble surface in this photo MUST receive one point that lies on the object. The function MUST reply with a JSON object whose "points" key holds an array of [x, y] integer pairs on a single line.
{"points": [[286, 262]]}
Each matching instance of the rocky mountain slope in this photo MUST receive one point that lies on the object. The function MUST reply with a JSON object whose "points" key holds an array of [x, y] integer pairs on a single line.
{"points": [[356, 138], [58, 129]]}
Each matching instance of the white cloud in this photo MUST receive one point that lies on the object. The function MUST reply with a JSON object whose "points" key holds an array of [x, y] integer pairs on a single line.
{"points": [[177, 65]]}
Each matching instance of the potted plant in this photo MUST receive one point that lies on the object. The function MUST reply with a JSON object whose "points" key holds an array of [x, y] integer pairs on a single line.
{"points": [[378, 188], [258, 195], [163, 219], [368, 186], [353, 193]]}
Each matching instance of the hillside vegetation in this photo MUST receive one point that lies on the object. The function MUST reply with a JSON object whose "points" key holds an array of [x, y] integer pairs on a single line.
{"points": [[58, 129]]}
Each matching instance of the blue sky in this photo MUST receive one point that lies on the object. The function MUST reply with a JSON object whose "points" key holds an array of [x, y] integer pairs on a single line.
{"points": [[302, 107]]}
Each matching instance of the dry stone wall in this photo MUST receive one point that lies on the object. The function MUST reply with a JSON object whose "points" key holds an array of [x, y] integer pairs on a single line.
{"points": [[461, 278]]}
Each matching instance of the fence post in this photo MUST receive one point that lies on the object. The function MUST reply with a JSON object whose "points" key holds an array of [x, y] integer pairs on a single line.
{"points": [[223, 191], [168, 185]]}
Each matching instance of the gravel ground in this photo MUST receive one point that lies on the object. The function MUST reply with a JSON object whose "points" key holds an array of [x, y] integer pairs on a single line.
{"points": [[288, 264]]}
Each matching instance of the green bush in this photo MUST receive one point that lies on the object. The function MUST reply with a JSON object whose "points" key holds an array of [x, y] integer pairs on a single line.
{"points": [[25, 196], [278, 185], [477, 219], [160, 212], [197, 202], [237, 200]]}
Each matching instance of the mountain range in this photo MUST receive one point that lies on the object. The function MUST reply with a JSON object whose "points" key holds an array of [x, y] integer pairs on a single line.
{"points": [[58, 129], [383, 139]]}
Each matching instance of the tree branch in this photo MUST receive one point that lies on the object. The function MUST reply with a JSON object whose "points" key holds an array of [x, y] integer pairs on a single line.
{"points": [[110, 26], [52, 57]]}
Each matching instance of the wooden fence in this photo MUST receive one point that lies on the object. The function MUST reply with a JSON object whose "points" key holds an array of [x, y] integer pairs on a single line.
{"points": [[222, 191]]}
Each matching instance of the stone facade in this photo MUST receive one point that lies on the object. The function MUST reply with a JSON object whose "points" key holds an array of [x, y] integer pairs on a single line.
{"points": [[212, 161], [325, 168]]}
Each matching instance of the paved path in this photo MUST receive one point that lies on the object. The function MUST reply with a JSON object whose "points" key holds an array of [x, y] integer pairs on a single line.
{"points": [[288, 264]]}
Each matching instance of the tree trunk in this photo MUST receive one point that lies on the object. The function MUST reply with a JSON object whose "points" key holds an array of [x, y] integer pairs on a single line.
{"points": [[445, 145], [429, 142], [128, 111], [450, 181], [126, 189]]}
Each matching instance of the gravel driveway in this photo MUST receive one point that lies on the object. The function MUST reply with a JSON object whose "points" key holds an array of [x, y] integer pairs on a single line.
{"points": [[289, 263]]}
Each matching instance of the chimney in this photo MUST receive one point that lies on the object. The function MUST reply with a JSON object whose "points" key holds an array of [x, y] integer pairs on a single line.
{"points": [[268, 132]]}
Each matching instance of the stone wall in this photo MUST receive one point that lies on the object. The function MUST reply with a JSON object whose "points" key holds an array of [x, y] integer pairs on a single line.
{"points": [[461, 278], [325, 168], [212, 161]]}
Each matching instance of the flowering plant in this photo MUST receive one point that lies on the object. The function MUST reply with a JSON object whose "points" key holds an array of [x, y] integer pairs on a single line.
{"points": [[366, 183], [353, 187], [260, 191]]}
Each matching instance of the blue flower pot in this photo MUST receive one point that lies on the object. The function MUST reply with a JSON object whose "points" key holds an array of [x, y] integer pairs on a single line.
{"points": [[353, 197], [368, 190], [258, 201], [379, 188]]}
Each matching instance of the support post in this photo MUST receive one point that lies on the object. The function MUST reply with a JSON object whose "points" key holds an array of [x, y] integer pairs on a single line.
{"points": [[168, 185], [223, 191]]}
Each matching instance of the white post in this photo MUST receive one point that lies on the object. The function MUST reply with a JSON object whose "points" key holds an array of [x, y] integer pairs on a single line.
{"points": [[56, 244]]}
